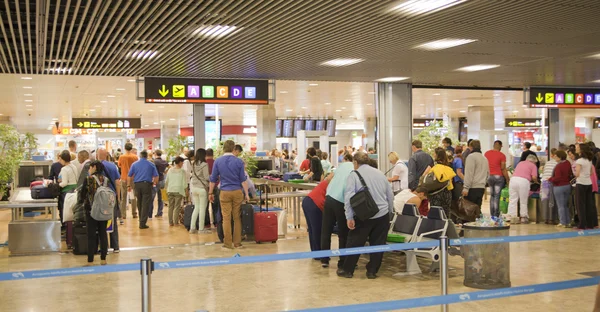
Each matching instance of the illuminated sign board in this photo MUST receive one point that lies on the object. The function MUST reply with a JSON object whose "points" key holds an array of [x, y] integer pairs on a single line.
{"points": [[523, 122], [206, 91], [106, 123], [564, 97]]}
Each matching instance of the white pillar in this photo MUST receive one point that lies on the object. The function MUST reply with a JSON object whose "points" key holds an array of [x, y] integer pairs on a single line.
{"points": [[265, 127], [394, 121], [480, 118], [199, 128]]}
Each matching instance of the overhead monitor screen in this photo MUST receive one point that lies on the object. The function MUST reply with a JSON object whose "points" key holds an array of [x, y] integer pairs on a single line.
{"points": [[309, 125], [321, 125], [288, 128], [278, 128], [331, 127], [298, 125]]}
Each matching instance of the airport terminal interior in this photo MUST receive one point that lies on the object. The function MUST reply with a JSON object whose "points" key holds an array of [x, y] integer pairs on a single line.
{"points": [[308, 91]]}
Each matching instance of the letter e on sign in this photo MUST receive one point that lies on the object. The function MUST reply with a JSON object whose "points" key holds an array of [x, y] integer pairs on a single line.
{"points": [[222, 92], [250, 92]]}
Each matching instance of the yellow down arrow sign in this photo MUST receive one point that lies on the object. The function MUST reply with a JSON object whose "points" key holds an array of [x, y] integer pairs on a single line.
{"points": [[164, 91], [539, 97]]}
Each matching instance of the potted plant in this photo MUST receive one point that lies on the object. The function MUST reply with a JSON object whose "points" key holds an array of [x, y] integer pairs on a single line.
{"points": [[176, 146], [13, 148], [432, 136]]}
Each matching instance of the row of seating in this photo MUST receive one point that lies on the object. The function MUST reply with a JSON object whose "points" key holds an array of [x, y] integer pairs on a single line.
{"points": [[416, 228]]}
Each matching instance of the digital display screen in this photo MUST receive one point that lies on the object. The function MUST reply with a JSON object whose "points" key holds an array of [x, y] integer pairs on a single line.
{"points": [[331, 127], [321, 125], [298, 125], [278, 128], [309, 125], [288, 128]]}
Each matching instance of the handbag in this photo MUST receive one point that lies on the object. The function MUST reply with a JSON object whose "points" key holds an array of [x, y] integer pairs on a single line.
{"points": [[468, 210], [362, 202], [70, 202]]}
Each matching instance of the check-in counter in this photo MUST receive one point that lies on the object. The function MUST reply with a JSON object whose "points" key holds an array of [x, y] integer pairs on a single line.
{"points": [[27, 236]]}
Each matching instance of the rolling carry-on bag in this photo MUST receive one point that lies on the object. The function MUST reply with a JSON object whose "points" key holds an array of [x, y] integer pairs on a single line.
{"points": [[265, 223], [79, 238], [41, 192], [188, 210], [247, 220]]}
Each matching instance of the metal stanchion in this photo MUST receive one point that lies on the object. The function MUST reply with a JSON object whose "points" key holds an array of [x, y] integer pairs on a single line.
{"points": [[444, 269], [146, 268]]}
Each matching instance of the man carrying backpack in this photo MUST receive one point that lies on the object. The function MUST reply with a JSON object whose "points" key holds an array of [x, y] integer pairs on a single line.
{"points": [[112, 172]]}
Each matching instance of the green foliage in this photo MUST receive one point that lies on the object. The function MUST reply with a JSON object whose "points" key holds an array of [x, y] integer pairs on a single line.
{"points": [[13, 147], [432, 136], [245, 156], [176, 146]]}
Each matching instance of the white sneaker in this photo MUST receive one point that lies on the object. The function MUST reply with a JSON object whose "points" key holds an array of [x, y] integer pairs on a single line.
{"points": [[193, 231]]}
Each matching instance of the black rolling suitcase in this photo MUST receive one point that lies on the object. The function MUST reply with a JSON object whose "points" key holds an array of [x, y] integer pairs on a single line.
{"points": [[247, 211], [79, 243], [188, 210]]}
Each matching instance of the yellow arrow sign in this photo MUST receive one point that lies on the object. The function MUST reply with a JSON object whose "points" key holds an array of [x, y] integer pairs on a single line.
{"points": [[164, 91], [80, 124], [539, 98]]}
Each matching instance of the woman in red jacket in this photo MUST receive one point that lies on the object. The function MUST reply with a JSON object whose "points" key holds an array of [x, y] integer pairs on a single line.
{"points": [[561, 181], [312, 205]]}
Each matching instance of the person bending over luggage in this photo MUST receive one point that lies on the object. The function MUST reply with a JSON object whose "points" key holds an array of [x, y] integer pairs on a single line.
{"points": [[90, 186], [176, 184], [443, 173], [409, 197], [375, 229], [312, 205], [316, 169]]}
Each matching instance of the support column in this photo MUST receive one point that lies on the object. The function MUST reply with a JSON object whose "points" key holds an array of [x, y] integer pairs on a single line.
{"points": [[167, 132], [265, 127], [394, 121], [480, 118], [369, 127], [199, 128], [561, 128]]}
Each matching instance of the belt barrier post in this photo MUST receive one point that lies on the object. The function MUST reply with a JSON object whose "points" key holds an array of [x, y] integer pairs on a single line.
{"points": [[146, 268], [444, 269]]}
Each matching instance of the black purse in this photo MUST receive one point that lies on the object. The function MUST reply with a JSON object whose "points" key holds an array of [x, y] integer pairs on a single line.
{"points": [[362, 202]]}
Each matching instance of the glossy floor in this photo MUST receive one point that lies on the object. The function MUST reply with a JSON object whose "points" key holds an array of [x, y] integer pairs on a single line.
{"points": [[285, 285]]}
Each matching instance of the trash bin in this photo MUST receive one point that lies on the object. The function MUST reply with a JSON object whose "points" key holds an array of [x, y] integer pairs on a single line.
{"points": [[486, 266]]}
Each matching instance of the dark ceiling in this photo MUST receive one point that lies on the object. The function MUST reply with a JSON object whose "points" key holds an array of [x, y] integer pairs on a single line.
{"points": [[535, 42]]}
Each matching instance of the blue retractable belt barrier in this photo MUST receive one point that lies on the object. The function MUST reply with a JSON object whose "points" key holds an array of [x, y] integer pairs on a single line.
{"points": [[523, 238], [461, 297]]}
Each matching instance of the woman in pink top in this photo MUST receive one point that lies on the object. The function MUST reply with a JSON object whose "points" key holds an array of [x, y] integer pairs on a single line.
{"points": [[525, 172]]}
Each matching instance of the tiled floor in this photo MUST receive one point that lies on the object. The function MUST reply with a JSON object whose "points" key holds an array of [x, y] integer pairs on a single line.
{"points": [[285, 285]]}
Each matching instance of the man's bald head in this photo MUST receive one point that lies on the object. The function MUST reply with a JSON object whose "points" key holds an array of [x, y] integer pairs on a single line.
{"points": [[101, 154]]}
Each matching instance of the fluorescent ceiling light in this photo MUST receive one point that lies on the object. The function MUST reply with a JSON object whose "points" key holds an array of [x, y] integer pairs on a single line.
{"points": [[439, 108], [369, 104], [92, 110], [156, 123], [423, 115], [313, 84], [172, 119], [596, 81], [161, 106], [162, 121], [190, 125], [496, 94], [595, 56], [473, 68], [59, 70], [141, 54], [422, 7], [98, 106], [462, 111], [28, 105], [515, 112], [283, 92], [444, 44], [28, 94], [342, 62], [146, 125], [371, 92], [110, 96], [392, 79], [215, 31], [130, 80], [498, 129], [150, 110], [27, 87], [338, 110], [455, 100], [436, 94], [350, 116], [508, 101], [343, 107], [289, 110], [26, 78], [470, 105], [327, 103], [421, 104], [54, 119], [102, 101], [28, 100], [304, 107], [120, 89], [348, 100]]}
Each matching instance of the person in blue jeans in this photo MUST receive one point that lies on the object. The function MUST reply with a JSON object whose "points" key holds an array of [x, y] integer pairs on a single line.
{"points": [[498, 178], [561, 181], [161, 166]]}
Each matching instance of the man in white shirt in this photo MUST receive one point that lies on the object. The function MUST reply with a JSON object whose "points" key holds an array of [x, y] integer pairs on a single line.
{"points": [[73, 149]]}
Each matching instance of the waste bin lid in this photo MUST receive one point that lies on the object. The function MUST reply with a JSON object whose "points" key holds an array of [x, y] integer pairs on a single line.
{"points": [[474, 226]]}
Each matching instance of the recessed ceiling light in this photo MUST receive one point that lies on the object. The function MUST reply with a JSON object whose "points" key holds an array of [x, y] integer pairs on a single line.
{"points": [[423, 116], [289, 110], [92, 110], [215, 31], [150, 110], [304, 107], [455, 100], [369, 104], [439, 108], [496, 94], [26, 78], [59, 70], [142, 54], [110, 96], [98, 106], [470, 105], [338, 110], [350, 116], [327, 103], [508, 101], [29, 109], [27, 87], [28, 105], [313, 84], [28, 100], [436, 94], [392, 79], [28, 94], [54, 119], [172, 119], [596, 81], [421, 104], [515, 112], [156, 123], [283, 92], [443, 44], [371, 92], [348, 100], [343, 107], [473, 68], [190, 125], [103, 101], [161, 107], [462, 111], [146, 125], [120, 89], [342, 62], [130, 80], [298, 115], [162, 121], [420, 7]]}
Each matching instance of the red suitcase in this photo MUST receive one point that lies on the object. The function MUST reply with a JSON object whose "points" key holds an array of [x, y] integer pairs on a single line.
{"points": [[265, 223]]}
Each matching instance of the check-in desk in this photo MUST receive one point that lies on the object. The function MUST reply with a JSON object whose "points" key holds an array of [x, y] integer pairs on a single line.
{"points": [[28, 236]]}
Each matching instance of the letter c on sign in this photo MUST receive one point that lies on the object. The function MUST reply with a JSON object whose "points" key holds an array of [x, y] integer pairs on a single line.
{"points": [[222, 92]]}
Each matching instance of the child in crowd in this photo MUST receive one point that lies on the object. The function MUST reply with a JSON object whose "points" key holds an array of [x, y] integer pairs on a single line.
{"points": [[176, 184]]}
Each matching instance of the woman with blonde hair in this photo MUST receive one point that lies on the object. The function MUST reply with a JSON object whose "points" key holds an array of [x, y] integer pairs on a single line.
{"points": [[399, 176]]}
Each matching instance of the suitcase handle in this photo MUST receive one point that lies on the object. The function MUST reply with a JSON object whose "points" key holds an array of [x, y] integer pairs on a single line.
{"points": [[266, 198]]}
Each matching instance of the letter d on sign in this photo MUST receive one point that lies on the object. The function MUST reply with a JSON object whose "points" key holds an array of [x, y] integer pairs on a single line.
{"points": [[236, 92]]}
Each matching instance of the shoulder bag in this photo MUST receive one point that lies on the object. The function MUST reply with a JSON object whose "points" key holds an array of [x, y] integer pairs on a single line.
{"points": [[362, 202]]}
